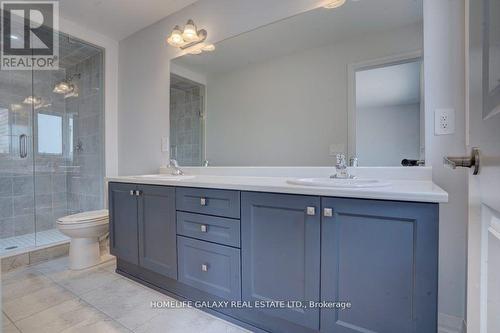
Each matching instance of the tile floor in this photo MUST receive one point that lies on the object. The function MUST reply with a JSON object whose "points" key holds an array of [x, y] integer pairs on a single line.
{"points": [[50, 298]]}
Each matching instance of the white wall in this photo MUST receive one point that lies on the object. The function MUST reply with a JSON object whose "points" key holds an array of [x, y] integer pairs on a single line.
{"points": [[110, 88], [387, 135], [293, 106], [144, 100], [444, 68]]}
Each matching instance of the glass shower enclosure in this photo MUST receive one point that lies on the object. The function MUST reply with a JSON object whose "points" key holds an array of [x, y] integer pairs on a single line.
{"points": [[51, 146]]}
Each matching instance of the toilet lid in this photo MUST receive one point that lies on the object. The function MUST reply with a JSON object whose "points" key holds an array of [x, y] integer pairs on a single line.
{"points": [[90, 216]]}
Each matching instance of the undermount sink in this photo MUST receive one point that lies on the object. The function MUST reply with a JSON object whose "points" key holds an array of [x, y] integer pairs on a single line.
{"points": [[337, 182], [165, 177]]}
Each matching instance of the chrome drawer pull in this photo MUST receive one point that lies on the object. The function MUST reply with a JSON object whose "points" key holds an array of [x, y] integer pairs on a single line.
{"points": [[327, 212], [311, 211], [204, 228], [204, 268], [132, 192], [203, 201]]}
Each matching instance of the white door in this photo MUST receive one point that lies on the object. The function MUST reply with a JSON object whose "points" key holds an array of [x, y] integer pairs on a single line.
{"points": [[483, 290]]}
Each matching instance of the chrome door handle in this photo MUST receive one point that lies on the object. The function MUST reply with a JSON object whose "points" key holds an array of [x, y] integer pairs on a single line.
{"points": [[472, 161], [23, 146]]}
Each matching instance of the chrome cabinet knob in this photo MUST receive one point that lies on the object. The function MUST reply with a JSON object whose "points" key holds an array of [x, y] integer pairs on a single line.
{"points": [[132, 192], [327, 212], [203, 201], [204, 268], [203, 228], [311, 211]]}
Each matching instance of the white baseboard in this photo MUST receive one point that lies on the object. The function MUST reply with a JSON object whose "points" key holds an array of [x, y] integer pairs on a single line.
{"points": [[450, 324]]}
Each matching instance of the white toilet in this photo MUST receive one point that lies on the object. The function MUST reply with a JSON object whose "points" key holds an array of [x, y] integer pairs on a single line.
{"points": [[85, 229]]}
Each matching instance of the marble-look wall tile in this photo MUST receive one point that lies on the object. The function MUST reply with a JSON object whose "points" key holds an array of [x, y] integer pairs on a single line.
{"points": [[11, 263], [48, 253]]}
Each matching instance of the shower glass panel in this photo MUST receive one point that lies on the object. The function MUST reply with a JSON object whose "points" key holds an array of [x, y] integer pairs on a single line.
{"points": [[17, 208], [51, 146]]}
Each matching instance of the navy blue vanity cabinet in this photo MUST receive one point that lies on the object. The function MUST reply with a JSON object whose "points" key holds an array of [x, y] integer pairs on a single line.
{"points": [[381, 256], [142, 226], [123, 228], [157, 228], [280, 250]]}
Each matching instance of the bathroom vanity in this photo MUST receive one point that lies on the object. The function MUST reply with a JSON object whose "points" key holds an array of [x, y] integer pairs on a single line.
{"points": [[261, 240]]}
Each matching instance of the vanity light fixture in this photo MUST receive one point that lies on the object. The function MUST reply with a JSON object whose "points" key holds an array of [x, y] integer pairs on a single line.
{"points": [[187, 37], [32, 100], [334, 4], [67, 87], [37, 102]]}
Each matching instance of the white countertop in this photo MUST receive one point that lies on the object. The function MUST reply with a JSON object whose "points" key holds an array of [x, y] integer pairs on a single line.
{"points": [[401, 189]]}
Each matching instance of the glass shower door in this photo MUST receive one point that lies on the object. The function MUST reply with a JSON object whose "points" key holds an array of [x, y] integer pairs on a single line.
{"points": [[17, 201]]}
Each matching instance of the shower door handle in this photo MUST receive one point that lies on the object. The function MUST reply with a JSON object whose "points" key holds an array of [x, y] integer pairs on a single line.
{"points": [[23, 146]]}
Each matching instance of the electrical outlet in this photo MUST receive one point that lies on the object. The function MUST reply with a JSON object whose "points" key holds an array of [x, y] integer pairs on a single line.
{"points": [[444, 121]]}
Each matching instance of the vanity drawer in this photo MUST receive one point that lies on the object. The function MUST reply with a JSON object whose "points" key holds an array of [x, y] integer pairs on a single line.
{"points": [[210, 228], [209, 267], [207, 201]]}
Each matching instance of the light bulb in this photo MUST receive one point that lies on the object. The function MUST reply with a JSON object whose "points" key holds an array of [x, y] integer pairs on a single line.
{"points": [[175, 38], [209, 47], [334, 4], [190, 33]]}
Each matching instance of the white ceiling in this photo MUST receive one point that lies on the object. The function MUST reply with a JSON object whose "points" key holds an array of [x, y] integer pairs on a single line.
{"points": [[388, 86], [118, 18]]}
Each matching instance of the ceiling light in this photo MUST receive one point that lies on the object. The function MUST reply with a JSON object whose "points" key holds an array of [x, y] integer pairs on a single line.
{"points": [[187, 37], [14, 37], [334, 4], [190, 33]]}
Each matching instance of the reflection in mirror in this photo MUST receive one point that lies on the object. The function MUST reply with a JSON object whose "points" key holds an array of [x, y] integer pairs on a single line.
{"points": [[388, 114], [186, 120], [284, 94]]}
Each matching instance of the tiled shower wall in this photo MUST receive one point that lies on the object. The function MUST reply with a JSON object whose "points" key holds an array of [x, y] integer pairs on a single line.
{"points": [[186, 107], [85, 180], [60, 185]]}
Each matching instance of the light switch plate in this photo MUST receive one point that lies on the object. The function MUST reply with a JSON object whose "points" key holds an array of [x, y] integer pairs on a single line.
{"points": [[444, 121], [164, 144]]}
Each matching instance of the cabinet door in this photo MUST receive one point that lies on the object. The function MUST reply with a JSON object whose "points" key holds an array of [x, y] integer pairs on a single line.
{"points": [[280, 249], [123, 222], [157, 236], [382, 257]]}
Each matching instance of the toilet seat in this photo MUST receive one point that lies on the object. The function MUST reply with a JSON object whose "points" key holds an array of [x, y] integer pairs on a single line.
{"points": [[95, 217]]}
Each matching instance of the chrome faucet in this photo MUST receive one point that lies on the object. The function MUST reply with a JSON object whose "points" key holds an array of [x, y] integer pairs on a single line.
{"points": [[176, 169], [341, 168]]}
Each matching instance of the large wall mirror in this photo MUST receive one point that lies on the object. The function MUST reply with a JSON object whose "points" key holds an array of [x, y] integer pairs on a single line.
{"points": [[299, 91]]}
